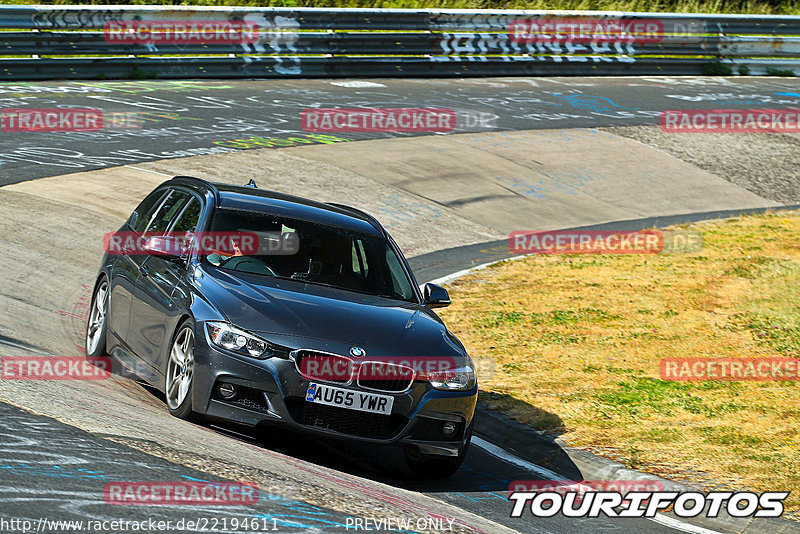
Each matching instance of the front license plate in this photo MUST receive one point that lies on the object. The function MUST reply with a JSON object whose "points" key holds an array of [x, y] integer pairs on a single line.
{"points": [[347, 398]]}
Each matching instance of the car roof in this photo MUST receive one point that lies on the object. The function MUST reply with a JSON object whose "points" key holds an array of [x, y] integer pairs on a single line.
{"points": [[251, 198]]}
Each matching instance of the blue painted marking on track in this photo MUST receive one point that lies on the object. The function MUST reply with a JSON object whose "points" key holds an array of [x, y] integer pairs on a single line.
{"points": [[592, 102], [53, 471], [302, 514]]}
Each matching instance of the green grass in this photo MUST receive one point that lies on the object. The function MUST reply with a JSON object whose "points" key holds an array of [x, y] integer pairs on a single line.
{"points": [[791, 7], [585, 363], [554, 317], [640, 395], [495, 319], [773, 313]]}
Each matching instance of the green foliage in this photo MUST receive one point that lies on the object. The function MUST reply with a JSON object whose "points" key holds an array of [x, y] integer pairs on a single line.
{"points": [[717, 68], [137, 74], [756, 7], [779, 72]]}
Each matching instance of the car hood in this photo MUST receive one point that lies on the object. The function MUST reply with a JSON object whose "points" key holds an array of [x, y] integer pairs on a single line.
{"points": [[282, 308]]}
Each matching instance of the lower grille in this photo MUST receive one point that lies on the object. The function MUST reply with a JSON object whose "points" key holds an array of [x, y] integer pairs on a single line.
{"points": [[343, 421], [247, 398]]}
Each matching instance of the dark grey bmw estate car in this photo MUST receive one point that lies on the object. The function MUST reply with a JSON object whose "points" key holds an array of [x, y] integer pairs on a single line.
{"points": [[327, 333]]}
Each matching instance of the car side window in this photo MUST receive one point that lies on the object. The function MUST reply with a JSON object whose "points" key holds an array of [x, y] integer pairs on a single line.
{"points": [[169, 209], [360, 266], [189, 217], [145, 210]]}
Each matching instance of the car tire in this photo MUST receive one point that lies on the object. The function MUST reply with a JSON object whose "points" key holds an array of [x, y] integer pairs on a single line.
{"points": [[97, 324], [430, 467], [179, 376]]}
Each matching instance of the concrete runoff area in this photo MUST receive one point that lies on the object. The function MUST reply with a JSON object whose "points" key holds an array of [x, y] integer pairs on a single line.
{"points": [[437, 192], [763, 163], [544, 179], [432, 193]]}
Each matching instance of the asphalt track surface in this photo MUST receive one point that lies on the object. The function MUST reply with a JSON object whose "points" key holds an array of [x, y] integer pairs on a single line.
{"points": [[57, 472], [50, 469], [65, 482], [153, 120]]}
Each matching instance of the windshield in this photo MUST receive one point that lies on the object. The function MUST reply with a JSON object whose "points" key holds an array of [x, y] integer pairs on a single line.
{"points": [[321, 254]]}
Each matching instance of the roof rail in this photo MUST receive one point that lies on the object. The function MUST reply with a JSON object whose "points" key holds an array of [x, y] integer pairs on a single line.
{"points": [[372, 220], [191, 180]]}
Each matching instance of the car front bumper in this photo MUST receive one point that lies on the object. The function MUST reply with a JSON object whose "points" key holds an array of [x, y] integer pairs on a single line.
{"points": [[272, 391]]}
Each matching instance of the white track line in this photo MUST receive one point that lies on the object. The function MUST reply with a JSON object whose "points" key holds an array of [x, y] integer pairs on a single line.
{"points": [[668, 521], [503, 454], [458, 274], [148, 170], [547, 474]]}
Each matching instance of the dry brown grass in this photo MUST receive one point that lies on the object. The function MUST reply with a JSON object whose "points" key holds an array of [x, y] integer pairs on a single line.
{"points": [[577, 342]]}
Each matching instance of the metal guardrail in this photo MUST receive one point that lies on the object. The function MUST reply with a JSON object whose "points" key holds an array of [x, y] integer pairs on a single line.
{"points": [[46, 42]]}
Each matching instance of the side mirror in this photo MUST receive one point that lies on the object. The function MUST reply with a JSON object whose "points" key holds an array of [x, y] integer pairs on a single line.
{"points": [[133, 219], [168, 247], [436, 296]]}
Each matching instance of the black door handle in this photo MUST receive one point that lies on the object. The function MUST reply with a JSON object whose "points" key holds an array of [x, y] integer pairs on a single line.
{"points": [[143, 270]]}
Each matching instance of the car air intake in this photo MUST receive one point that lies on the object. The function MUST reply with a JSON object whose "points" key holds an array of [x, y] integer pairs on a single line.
{"points": [[342, 421]]}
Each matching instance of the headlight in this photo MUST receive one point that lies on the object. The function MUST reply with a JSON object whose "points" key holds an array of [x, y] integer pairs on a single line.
{"points": [[228, 337], [459, 379]]}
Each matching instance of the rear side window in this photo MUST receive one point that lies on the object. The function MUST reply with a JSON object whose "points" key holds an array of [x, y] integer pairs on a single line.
{"points": [[145, 210], [360, 266], [165, 214], [189, 218]]}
